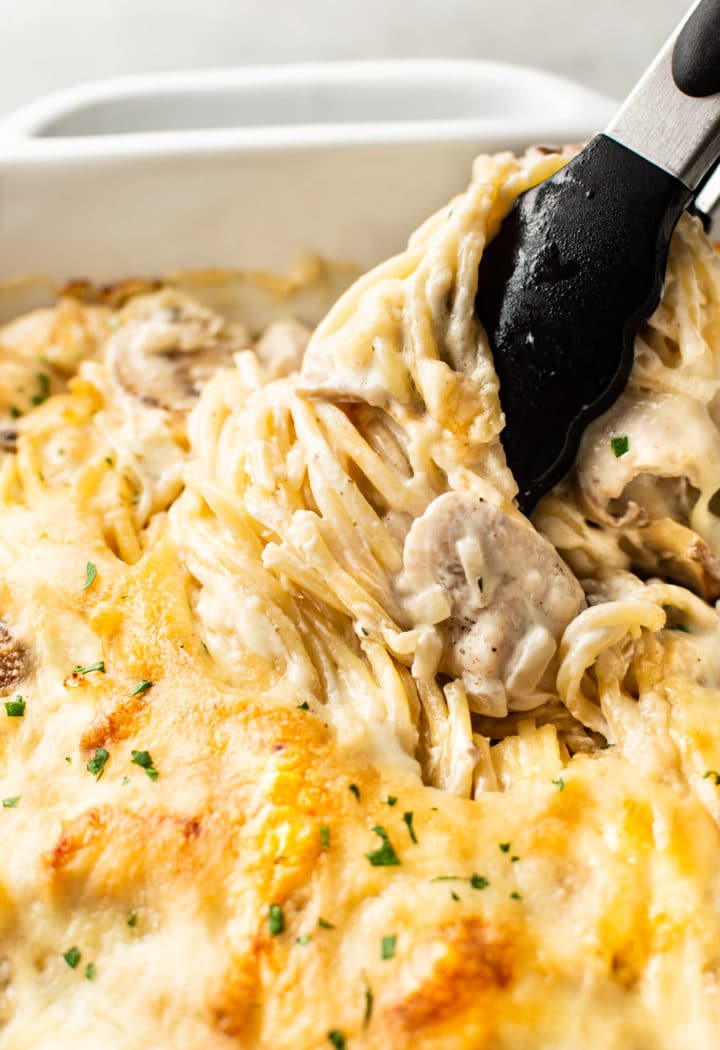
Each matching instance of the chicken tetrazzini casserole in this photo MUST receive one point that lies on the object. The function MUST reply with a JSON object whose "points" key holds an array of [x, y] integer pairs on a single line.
{"points": [[309, 738]]}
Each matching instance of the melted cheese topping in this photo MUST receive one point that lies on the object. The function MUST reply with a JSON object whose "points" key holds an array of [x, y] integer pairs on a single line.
{"points": [[310, 738]]}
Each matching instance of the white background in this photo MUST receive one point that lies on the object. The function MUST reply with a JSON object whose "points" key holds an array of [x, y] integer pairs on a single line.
{"points": [[47, 44]]}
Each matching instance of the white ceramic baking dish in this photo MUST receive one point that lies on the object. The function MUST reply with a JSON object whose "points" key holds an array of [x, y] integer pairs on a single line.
{"points": [[256, 167]]}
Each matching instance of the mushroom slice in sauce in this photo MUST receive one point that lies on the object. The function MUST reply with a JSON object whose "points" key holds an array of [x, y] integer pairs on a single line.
{"points": [[654, 493], [167, 347], [14, 661], [508, 594]]}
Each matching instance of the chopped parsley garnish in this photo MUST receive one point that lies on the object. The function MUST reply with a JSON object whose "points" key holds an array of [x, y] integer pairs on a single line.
{"points": [[408, 818], [325, 837], [325, 925], [304, 938], [96, 765], [68, 759], [142, 687], [504, 846], [391, 800], [276, 920], [108, 460], [454, 895], [72, 956], [144, 760], [90, 575], [678, 627], [304, 706], [11, 802], [368, 1004], [559, 783], [44, 389], [356, 791], [90, 971], [132, 919], [15, 708], [620, 445], [712, 775], [515, 859], [89, 668], [515, 896], [387, 946], [15, 412], [384, 856], [479, 882], [337, 1039]]}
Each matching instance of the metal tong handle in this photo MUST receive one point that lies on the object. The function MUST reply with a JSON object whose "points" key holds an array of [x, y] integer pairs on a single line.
{"points": [[672, 116]]}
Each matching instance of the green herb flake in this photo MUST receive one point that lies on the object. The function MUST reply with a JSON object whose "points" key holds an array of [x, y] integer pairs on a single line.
{"points": [[368, 1004], [620, 445], [90, 971], [678, 627], [712, 775], [408, 818], [515, 896], [144, 760], [15, 412], [325, 837], [72, 956], [109, 461], [89, 668], [391, 800], [387, 946], [90, 575], [68, 759], [303, 939], [142, 687], [132, 919], [325, 925], [454, 895], [356, 791], [384, 856], [504, 846], [44, 389], [125, 781], [11, 802], [96, 765], [479, 882], [515, 859], [276, 920], [304, 706], [559, 783], [337, 1039], [15, 708]]}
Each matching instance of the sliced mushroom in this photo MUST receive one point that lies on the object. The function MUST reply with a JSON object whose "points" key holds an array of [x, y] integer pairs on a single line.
{"points": [[652, 493], [507, 594], [281, 347], [167, 347], [668, 448], [14, 659]]}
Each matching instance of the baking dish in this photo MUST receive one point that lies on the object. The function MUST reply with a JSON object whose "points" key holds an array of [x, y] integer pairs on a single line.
{"points": [[257, 167]]}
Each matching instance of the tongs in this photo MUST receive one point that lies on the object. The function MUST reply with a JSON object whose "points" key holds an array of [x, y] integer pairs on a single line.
{"points": [[579, 261]]}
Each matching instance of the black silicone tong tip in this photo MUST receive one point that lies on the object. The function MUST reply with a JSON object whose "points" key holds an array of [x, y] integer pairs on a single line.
{"points": [[576, 267]]}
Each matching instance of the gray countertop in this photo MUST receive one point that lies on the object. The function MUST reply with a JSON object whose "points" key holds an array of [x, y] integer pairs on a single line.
{"points": [[46, 44]]}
